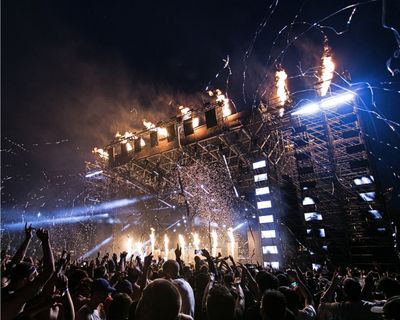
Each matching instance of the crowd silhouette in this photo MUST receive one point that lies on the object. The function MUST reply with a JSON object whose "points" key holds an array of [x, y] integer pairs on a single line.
{"points": [[117, 287]]}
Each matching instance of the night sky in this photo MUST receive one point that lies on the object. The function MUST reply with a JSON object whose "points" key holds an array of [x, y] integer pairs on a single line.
{"points": [[75, 72]]}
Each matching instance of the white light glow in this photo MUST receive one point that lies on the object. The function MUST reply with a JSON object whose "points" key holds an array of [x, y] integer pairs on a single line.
{"points": [[261, 191], [270, 249], [362, 180], [259, 164], [308, 201], [368, 196], [266, 219], [264, 204], [312, 216], [260, 177], [325, 103], [268, 234]]}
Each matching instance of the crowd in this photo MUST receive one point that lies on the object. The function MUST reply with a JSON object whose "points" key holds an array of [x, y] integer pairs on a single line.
{"points": [[120, 287]]}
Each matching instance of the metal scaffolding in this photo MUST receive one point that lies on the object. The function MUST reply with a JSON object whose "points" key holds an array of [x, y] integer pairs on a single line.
{"points": [[303, 183]]}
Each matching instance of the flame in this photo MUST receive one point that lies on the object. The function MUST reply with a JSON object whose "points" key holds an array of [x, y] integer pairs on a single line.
{"points": [[196, 241], [182, 244], [214, 238], [128, 245], [118, 135], [226, 111], [148, 124], [281, 91], [328, 67], [231, 242], [184, 110], [152, 239], [139, 249], [195, 122], [129, 147], [103, 154], [162, 132], [166, 248], [142, 142]]}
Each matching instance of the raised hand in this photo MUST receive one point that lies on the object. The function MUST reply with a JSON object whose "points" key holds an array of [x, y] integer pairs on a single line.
{"points": [[42, 234], [28, 231], [147, 260], [206, 253], [178, 251]]}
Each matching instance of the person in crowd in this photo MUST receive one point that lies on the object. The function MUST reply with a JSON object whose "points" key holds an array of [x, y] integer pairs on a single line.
{"points": [[160, 300], [352, 308], [93, 309], [25, 282]]}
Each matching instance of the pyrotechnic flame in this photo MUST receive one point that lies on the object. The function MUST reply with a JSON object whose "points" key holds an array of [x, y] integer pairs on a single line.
{"points": [[148, 124], [221, 99], [184, 110], [166, 247], [182, 244], [128, 244], [162, 132], [152, 239], [139, 249], [196, 241], [129, 147], [328, 67], [281, 91], [195, 122], [142, 142], [214, 238], [231, 242], [103, 154], [118, 135]]}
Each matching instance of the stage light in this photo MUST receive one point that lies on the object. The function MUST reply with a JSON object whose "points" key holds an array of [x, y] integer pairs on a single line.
{"points": [[368, 196], [363, 180], [260, 177], [266, 219], [268, 234], [307, 109], [270, 250], [259, 164], [327, 103], [264, 204], [261, 191], [312, 216], [308, 201], [336, 100]]}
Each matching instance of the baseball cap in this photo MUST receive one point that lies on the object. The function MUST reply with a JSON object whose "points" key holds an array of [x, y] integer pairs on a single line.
{"points": [[101, 284]]}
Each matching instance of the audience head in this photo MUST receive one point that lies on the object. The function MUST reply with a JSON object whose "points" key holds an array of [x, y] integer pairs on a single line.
{"points": [[170, 269], [160, 300], [266, 281], [273, 305], [352, 289], [119, 308], [220, 304]]}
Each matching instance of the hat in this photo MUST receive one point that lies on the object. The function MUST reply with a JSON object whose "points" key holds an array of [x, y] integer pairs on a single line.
{"points": [[101, 284], [125, 286], [391, 308]]}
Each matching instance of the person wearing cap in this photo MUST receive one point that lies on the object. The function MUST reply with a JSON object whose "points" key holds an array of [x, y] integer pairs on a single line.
{"points": [[93, 310]]}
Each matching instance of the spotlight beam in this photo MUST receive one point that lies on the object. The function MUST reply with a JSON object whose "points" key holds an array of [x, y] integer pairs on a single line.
{"points": [[324, 104]]}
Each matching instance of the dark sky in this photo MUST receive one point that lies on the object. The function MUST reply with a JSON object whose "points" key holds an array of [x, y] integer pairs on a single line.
{"points": [[75, 72]]}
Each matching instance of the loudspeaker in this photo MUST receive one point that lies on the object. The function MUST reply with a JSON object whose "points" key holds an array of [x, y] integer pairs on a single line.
{"points": [[171, 133], [211, 118], [188, 127], [153, 138]]}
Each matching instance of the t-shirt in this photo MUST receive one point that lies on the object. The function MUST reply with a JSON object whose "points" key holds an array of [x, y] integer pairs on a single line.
{"points": [[187, 296], [358, 310], [85, 313]]}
